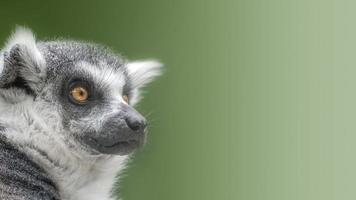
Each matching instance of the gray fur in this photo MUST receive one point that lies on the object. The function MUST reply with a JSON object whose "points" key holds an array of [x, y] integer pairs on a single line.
{"points": [[52, 147], [21, 178]]}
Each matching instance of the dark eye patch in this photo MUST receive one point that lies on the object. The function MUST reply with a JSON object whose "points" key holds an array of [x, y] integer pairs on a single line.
{"points": [[95, 94], [83, 85], [73, 110]]}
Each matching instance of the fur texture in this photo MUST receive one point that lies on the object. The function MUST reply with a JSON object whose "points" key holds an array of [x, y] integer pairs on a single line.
{"points": [[41, 124]]}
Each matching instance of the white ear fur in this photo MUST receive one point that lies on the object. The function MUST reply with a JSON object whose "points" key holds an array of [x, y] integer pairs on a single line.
{"points": [[24, 37], [31, 58], [1, 63], [141, 73]]}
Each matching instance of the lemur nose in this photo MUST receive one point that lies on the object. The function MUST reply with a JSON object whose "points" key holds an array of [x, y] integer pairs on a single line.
{"points": [[135, 124], [134, 120]]}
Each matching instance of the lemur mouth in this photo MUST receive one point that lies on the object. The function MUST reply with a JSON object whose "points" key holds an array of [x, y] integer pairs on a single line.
{"points": [[118, 148]]}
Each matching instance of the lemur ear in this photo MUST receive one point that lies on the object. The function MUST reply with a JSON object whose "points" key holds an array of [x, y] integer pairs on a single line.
{"points": [[140, 73], [21, 63]]}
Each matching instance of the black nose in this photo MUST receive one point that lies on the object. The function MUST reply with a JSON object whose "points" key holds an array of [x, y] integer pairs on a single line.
{"points": [[134, 120]]}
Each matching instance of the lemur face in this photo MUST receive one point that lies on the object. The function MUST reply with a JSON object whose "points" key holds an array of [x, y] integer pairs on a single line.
{"points": [[91, 90]]}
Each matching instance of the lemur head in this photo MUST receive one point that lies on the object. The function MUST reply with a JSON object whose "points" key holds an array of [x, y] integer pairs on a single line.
{"points": [[85, 88]]}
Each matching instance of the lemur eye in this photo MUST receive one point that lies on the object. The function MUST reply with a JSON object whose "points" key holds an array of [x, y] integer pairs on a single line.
{"points": [[126, 98], [79, 94]]}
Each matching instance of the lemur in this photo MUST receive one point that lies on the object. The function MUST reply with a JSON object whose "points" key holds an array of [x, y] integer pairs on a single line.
{"points": [[67, 121]]}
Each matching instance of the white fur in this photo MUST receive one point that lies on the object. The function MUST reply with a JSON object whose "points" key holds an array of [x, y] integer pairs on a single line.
{"points": [[108, 77], [24, 36], [79, 175], [21, 35], [31, 57], [141, 73], [1, 63]]}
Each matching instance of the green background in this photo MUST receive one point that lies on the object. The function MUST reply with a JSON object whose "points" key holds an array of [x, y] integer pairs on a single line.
{"points": [[257, 101]]}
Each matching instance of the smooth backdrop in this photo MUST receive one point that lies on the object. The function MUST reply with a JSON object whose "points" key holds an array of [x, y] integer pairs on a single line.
{"points": [[258, 99]]}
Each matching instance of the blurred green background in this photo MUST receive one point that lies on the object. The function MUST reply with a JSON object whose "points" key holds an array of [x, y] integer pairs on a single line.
{"points": [[257, 101]]}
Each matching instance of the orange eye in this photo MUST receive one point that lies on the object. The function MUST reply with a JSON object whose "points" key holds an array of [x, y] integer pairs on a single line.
{"points": [[79, 94], [126, 98]]}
